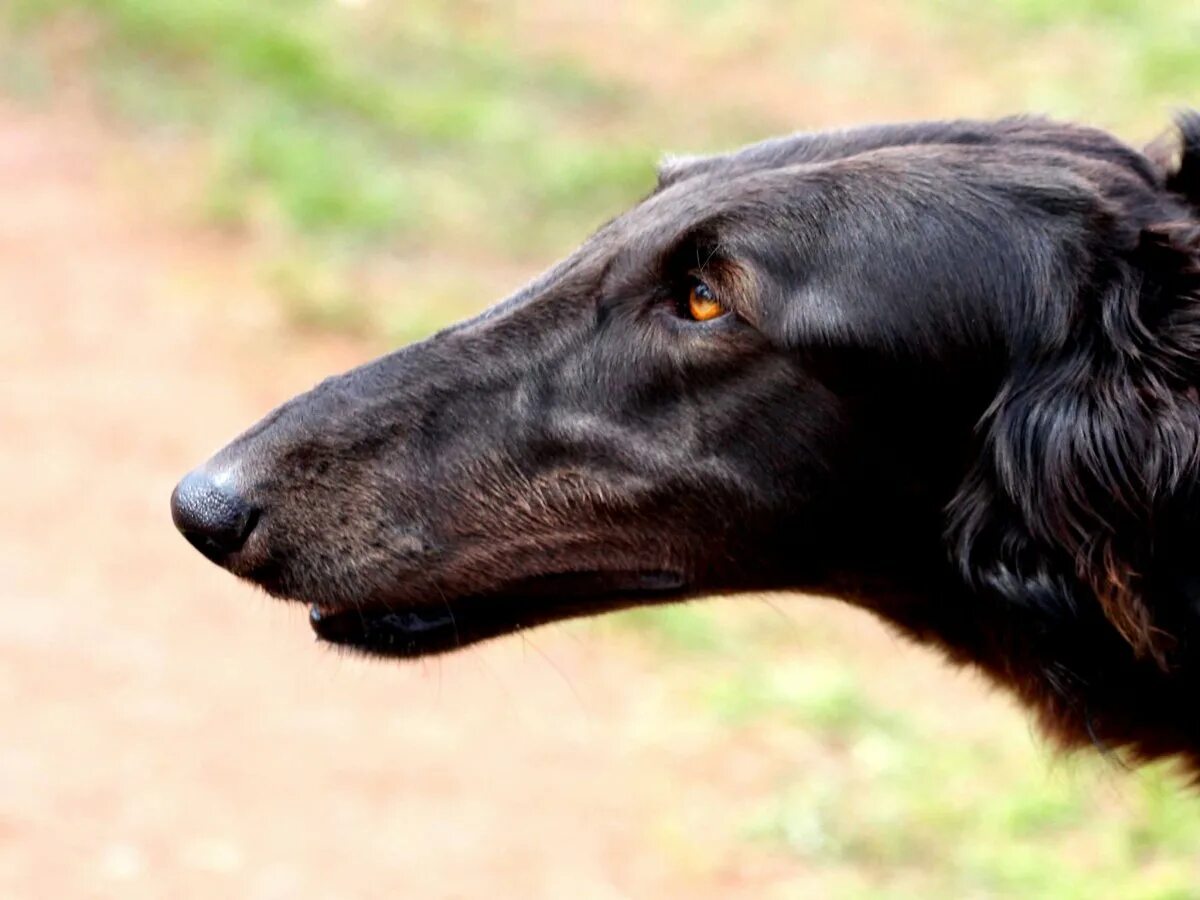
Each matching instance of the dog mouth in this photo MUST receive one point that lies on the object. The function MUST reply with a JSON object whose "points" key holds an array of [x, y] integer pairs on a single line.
{"points": [[445, 624]]}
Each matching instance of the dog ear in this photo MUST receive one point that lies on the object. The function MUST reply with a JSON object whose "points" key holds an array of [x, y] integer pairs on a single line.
{"points": [[1089, 443], [1179, 156]]}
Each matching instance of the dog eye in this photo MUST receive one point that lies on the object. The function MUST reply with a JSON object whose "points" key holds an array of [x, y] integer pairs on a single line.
{"points": [[702, 304]]}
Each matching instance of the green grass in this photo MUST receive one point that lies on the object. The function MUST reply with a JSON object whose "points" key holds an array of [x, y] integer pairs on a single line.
{"points": [[346, 136], [1120, 62], [327, 114], [883, 794], [400, 165]]}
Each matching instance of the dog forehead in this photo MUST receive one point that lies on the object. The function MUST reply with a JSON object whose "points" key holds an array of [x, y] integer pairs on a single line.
{"points": [[824, 146], [801, 147], [934, 201]]}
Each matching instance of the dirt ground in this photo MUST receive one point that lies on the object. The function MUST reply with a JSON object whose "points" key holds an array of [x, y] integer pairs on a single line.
{"points": [[166, 731]]}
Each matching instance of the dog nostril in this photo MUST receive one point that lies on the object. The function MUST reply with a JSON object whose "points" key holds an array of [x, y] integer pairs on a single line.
{"points": [[214, 519]]}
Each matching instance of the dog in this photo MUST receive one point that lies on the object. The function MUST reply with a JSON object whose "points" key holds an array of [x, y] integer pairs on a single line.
{"points": [[945, 371]]}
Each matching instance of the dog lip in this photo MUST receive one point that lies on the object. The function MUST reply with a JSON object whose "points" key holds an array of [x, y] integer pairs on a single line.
{"points": [[385, 631], [353, 626]]}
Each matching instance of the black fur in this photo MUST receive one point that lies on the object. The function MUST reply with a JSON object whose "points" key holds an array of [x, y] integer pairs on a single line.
{"points": [[957, 385]]}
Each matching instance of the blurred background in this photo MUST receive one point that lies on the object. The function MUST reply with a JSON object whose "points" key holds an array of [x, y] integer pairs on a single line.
{"points": [[208, 205]]}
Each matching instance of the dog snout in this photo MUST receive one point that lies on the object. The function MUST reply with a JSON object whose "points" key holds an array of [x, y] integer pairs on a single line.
{"points": [[209, 511]]}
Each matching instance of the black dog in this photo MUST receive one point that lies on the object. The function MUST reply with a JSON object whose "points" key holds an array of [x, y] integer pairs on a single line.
{"points": [[946, 371]]}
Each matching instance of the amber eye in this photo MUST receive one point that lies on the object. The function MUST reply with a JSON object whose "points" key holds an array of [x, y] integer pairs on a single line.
{"points": [[702, 304]]}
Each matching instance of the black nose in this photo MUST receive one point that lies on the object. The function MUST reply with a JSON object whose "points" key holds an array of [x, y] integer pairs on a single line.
{"points": [[211, 516]]}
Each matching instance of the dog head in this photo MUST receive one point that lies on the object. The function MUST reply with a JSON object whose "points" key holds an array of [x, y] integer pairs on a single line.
{"points": [[780, 369]]}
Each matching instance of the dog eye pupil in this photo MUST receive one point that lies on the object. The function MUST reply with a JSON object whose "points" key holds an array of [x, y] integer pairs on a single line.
{"points": [[702, 304]]}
